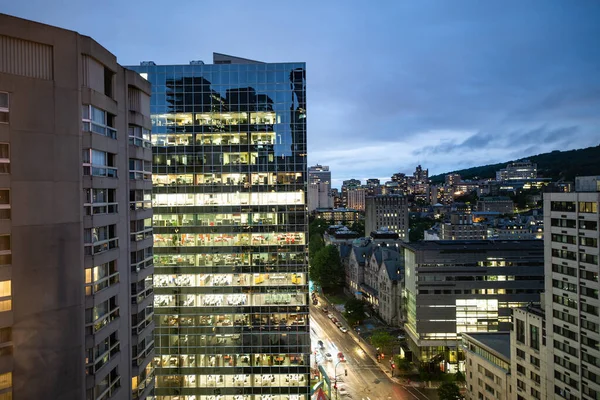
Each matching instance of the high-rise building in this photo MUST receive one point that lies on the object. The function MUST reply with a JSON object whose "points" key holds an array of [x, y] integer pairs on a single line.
{"points": [[319, 188], [356, 196], [76, 312], [421, 175], [572, 307], [230, 224], [346, 185], [389, 212], [466, 286]]}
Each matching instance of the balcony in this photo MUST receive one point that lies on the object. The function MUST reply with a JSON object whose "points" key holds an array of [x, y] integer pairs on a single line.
{"points": [[92, 249]]}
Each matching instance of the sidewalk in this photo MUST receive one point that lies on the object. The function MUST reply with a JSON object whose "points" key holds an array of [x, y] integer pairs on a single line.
{"points": [[370, 350]]}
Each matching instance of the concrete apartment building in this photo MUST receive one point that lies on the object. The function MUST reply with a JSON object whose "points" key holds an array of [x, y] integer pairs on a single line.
{"points": [[457, 286], [572, 305], [487, 365], [319, 188], [76, 258], [528, 354], [387, 212]]}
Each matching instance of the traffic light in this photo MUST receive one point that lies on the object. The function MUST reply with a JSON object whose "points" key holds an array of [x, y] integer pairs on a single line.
{"points": [[346, 372]]}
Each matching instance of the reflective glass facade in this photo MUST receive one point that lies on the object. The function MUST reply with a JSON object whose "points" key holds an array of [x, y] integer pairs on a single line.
{"points": [[230, 231]]}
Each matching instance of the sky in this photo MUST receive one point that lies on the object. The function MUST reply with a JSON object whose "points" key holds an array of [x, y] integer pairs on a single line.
{"points": [[390, 84]]}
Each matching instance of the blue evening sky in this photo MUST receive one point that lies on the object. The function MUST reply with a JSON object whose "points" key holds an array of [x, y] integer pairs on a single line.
{"points": [[447, 84]]}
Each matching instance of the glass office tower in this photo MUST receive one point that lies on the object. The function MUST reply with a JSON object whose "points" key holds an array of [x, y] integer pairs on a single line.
{"points": [[230, 230]]}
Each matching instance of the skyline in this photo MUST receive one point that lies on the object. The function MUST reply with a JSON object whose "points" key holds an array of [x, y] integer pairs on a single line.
{"points": [[447, 87]]}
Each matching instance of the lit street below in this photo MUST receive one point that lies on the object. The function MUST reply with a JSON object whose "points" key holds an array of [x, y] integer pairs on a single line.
{"points": [[364, 380]]}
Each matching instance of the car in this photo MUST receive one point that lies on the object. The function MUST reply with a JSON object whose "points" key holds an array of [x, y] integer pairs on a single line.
{"points": [[320, 343], [328, 357], [330, 316], [334, 320], [344, 330], [338, 324], [324, 309]]}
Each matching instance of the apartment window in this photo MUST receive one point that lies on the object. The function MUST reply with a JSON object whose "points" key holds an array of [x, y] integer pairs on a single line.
{"points": [[521, 369], [5, 250], [5, 294], [561, 269], [520, 353], [98, 121], [101, 277], [139, 136], [534, 360], [100, 201], [535, 394], [4, 108], [101, 315], [588, 225], [5, 380], [140, 199], [564, 206], [99, 163], [588, 258], [140, 229], [588, 207], [4, 158], [4, 203], [520, 331], [100, 239], [6, 345], [140, 169]]}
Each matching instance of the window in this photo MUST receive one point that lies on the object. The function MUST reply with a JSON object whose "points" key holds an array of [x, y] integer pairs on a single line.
{"points": [[5, 380], [520, 331], [588, 207], [99, 163], [6, 341], [100, 277], [4, 204], [3, 108], [564, 206], [5, 289], [534, 360], [98, 121], [4, 158], [140, 199], [140, 229], [520, 353], [534, 337], [139, 136], [100, 201], [521, 369], [139, 169], [100, 239], [5, 251]]}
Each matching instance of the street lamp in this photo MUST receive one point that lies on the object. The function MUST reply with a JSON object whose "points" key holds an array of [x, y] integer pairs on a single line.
{"points": [[335, 379]]}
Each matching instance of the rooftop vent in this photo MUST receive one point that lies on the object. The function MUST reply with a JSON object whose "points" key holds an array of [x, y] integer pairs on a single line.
{"points": [[147, 63], [196, 62]]}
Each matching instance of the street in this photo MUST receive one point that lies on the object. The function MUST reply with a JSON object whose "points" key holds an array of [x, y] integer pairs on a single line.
{"points": [[365, 380]]}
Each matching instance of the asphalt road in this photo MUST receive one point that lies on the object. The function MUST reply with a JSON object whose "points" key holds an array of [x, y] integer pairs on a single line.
{"points": [[365, 379]]}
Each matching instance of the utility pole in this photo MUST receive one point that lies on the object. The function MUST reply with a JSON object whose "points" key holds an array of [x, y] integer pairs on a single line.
{"points": [[335, 379]]}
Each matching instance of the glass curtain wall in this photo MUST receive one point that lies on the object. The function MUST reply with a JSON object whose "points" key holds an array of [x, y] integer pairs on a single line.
{"points": [[230, 231]]}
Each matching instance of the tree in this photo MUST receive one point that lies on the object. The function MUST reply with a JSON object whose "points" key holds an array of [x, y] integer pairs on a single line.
{"points": [[359, 227], [383, 340], [418, 226], [449, 391], [315, 244], [318, 226], [326, 268], [354, 311]]}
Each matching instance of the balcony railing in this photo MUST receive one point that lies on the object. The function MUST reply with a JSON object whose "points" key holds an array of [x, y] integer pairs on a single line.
{"points": [[95, 326], [137, 329], [101, 284], [141, 235], [140, 205], [138, 297], [146, 263], [91, 249], [103, 130], [101, 208], [138, 359]]}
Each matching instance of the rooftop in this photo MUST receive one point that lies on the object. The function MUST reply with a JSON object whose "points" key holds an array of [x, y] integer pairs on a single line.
{"points": [[497, 341], [441, 245]]}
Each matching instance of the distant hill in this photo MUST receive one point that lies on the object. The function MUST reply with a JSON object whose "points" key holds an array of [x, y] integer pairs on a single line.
{"points": [[565, 165]]}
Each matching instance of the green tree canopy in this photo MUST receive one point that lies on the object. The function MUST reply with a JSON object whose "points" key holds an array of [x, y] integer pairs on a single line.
{"points": [[315, 244], [326, 268], [383, 340], [318, 226], [449, 391], [354, 311]]}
